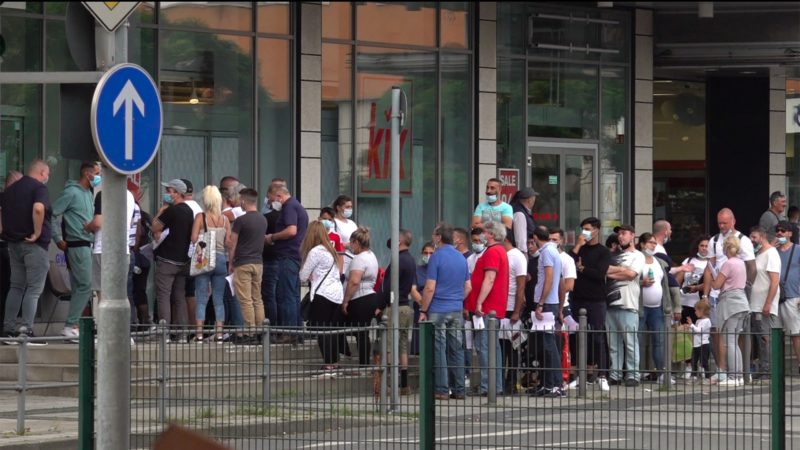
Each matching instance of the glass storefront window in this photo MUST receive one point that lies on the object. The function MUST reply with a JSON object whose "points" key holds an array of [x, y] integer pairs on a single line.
{"points": [[378, 70], [512, 22], [792, 140], [28, 7], [562, 100], [454, 25], [456, 125], [273, 17], [212, 15], [207, 90], [511, 127], [274, 75], [614, 156], [20, 126], [397, 23], [59, 57], [337, 122], [337, 20], [23, 43]]}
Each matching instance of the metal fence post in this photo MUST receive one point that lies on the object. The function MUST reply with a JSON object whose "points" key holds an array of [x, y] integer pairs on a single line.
{"points": [[666, 377], [747, 348], [582, 355], [22, 381], [266, 367], [163, 333], [384, 335], [777, 390], [427, 410], [86, 384], [491, 329]]}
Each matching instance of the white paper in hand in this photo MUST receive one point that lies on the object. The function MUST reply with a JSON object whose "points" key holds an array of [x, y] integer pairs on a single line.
{"points": [[570, 324], [477, 323], [505, 329], [548, 322], [229, 279], [468, 334]]}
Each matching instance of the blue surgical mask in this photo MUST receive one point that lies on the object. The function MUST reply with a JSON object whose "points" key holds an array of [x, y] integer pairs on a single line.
{"points": [[168, 199], [491, 198], [348, 213], [649, 252], [587, 234], [96, 181], [484, 240], [265, 207], [536, 254], [782, 240], [702, 256], [478, 248], [327, 223], [757, 248], [276, 205], [425, 259]]}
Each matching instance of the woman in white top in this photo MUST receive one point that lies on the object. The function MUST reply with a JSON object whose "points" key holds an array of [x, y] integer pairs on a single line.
{"points": [[360, 300], [215, 221], [692, 282], [322, 265], [653, 292], [343, 205]]}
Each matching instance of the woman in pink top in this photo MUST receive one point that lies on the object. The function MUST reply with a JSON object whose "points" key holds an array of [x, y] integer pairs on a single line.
{"points": [[732, 310]]}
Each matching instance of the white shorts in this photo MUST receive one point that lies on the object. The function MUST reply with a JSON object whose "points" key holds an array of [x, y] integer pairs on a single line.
{"points": [[790, 315]]}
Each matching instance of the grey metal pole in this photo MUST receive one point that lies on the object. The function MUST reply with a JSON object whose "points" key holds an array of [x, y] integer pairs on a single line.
{"points": [[384, 333], [163, 332], [491, 335], [395, 275], [113, 324], [266, 377], [582, 347], [668, 335], [22, 382]]}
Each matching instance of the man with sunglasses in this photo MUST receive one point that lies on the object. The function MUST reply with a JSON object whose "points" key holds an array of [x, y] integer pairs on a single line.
{"points": [[789, 283]]}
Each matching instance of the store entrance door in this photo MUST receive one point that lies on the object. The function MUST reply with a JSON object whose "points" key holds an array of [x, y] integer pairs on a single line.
{"points": [[565, 176]]}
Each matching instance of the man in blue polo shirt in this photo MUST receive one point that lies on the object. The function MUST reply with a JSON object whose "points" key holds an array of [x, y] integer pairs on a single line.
{"points": [[442, 303]]}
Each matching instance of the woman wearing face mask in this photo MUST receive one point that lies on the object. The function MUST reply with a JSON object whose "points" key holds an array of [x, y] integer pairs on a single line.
{"points": [[360, 299], [692, 281], [343, 206], [326, 216], [654, 297]]}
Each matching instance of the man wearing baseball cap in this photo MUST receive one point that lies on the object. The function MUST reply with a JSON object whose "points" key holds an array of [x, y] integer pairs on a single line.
{"points": [[771, 217], [172, 255], [522, 205]]}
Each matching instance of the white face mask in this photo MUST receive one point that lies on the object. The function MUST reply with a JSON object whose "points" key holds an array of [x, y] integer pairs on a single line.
{"points": [[649, 252], [276, 205], [587, 234]]}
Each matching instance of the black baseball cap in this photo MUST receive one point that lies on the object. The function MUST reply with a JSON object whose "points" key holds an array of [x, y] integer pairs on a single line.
{"points": [[784, 225], [189, 187]]}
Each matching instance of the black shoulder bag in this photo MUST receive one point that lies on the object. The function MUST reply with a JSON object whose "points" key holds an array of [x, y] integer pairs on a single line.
{"points": [[305, 304]]}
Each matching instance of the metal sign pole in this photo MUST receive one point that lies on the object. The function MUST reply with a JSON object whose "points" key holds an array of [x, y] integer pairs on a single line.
{"points": [[395, 275], [113, 324]]}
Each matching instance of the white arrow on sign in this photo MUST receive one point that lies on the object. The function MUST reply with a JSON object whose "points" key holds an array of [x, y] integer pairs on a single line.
{"points": [[128, 97]]}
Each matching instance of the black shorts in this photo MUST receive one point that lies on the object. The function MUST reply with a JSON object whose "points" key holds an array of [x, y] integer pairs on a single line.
{"points": [[190, 286]]}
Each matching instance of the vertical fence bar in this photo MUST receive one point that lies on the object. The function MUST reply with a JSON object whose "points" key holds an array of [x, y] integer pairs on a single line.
{"points": [[491, 330], [86, 384], [777, 390], [384, 334], [22, 381], [666, 376], [266, 366], [426, 406], [163, 333], [582, 355]]}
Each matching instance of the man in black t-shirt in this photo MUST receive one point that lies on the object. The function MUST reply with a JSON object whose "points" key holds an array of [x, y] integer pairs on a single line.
{"points": [[246, 244], [269, 278], [172, 254]]}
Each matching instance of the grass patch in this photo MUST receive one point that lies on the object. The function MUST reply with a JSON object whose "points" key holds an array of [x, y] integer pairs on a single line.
{"points": [[204, 413], [260, 411]]}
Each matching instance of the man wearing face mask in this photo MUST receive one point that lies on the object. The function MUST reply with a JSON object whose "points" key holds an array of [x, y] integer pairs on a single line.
{"points": [[622, 319], [493, 209], [522, 205], [789, 281], [478, 245], [269, 276], [76, 205], [764, 296], [172, 256], [592, 261]]}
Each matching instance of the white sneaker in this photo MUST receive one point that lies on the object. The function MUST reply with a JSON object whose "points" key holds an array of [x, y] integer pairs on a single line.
{"points": [[573, 384], [70, 332], [730, 382], [603, 383], [466, 381], [661, 379]]}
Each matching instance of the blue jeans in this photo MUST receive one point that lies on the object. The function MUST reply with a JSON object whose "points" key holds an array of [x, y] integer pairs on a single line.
{"points": [[481, 341], [653, 323], [623, 342], [216, 280], [448, 352], [29, 265], [269, 281], [552, 356], [287, 293], [233, 311]]}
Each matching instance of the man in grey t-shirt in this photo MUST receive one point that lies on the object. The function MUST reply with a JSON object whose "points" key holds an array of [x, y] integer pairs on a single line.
{"points": [[771, 217]]}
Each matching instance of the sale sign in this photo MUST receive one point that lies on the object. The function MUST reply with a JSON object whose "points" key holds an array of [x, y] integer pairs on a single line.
{"points": [[510, 179]]}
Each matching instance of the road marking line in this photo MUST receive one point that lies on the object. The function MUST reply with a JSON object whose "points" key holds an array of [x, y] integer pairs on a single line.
{"points": [[596, 441]]}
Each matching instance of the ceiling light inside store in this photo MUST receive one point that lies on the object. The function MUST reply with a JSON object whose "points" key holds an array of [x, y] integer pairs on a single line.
{"points": [[193, 100], [685, 138]]}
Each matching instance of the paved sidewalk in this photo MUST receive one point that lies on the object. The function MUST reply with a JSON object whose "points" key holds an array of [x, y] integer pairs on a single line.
{"points": [[50, 422]]}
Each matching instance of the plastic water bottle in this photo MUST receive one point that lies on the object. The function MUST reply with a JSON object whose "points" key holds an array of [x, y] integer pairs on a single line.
{"points": [[650, 273]]}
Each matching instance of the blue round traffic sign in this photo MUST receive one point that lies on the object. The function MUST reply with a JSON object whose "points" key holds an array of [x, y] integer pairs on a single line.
{"points": [[127, 118]]}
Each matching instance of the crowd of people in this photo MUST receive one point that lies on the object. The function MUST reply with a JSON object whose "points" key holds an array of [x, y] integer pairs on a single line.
{"points": [[504, 264]]}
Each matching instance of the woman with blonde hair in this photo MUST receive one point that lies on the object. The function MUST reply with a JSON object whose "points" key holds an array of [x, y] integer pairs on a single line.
{"points": [[360, 300], [214, 221], [732, 310], [321, 265]]}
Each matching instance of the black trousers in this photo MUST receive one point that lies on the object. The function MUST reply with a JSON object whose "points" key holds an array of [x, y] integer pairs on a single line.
{"points": [[323, 316], [700, 356], [596, 340], [360, 312]]}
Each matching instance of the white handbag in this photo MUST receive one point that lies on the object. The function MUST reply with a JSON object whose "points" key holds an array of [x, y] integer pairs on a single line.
{"points": [[204, 255]]}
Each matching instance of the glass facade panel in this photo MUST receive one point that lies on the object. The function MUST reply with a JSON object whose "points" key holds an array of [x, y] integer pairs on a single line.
{"points": [[337, 122], [273, 17], [378, 69], [212, 15], [207, 90], [29, 7], [512, 22], [59, 57], [792, 139], [562, 100], [337, 20], [511, 129], [454, 25], [20, 126], [275, 111], [23, 43], [614, 157], [456, 120], [397, 23]]}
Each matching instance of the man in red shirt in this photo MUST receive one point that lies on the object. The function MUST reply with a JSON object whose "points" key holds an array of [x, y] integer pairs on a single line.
{"points": [[489, 293]]}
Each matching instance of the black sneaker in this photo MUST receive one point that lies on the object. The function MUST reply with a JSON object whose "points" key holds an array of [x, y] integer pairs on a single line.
{"points": [[556, 393], [34, 343], [541, 392], [247, 340], [630, 382], [614, 382], [7, 336]]}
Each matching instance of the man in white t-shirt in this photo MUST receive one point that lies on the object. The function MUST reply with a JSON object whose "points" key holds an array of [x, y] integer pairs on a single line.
{"points": [[96, 226], [517, 273], [662, 231], [764, 295], [622, 317]]}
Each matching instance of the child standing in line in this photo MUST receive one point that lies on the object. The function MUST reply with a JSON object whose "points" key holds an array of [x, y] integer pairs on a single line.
{"points": [[701, 348]]}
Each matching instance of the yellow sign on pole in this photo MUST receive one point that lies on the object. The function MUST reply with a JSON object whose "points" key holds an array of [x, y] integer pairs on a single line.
{"points": [[110, 14]]}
